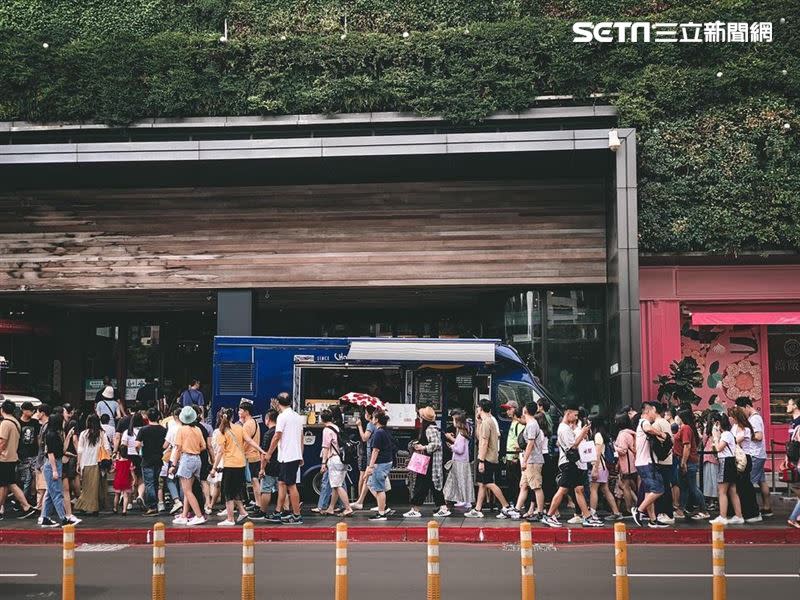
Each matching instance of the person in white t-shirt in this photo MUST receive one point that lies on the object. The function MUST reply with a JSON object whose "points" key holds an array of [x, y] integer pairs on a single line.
{"points": [[651, 480], [288, 442], [724, 444], [742, 430], [758, 451]]}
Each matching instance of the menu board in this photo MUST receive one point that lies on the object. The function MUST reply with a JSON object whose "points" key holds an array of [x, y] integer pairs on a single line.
{"points": [[429, 391]]}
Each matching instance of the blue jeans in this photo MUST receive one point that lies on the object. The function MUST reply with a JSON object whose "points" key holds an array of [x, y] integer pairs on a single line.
{"points": [[55, 494], [324, 492], [150, 476], [689, 488], [796, 512]]}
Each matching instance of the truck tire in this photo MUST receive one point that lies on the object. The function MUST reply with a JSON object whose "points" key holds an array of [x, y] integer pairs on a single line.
{"points": [[312, 486]]}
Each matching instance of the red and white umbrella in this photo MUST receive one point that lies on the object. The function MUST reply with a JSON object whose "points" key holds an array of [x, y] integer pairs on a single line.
{"points": [[360, 399]]}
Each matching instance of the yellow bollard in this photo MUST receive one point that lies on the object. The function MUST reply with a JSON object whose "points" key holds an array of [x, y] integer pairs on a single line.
{"points": [[340, 590], [526, 559], [248, 563], [68, 574], [718, 591], [434, 585], [159, 563], [621, 562]]}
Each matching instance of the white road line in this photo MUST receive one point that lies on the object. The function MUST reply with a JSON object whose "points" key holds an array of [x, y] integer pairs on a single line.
{"points": [[18, 574], [745, 575]]}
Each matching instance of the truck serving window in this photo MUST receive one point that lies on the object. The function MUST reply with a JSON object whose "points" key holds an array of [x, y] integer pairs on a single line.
{"points": [[330, 383]]}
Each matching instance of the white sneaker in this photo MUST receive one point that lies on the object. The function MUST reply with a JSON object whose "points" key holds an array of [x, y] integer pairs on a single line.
{"points": [[474, 514], [161, 507], [575, 520], [720, 519], [196, 521], [226, 523], [356, 506], [756, 519], [736, 521], [373, 509], [665, 520], [180, 520], [176, 507], [412, 514], [223, 512], [73, 519], [442, 512]]}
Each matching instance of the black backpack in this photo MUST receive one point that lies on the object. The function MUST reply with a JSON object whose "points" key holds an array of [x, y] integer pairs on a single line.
{"points": [[793, 451], [660, 448]]}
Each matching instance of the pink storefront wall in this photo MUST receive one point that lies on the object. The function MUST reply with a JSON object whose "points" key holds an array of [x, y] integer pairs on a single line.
{"points": [[733, 358]]}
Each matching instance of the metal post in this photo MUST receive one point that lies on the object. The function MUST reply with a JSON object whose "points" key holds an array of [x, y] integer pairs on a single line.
{"points": [[159, 562], [340, 590], [248, 563], [526, 561], [434, 586], [621, 562], [68, 573], [718, 591]]}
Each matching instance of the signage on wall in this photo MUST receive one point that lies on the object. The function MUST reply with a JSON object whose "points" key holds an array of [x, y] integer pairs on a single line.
{"points": [[784, 359], [92, 386], [131, 387]]}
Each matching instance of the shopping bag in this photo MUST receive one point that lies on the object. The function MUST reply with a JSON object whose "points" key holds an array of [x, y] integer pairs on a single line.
{"points": [[587, 451], [418, 463]]}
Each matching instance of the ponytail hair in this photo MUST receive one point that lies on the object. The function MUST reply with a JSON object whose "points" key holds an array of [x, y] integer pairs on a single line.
{"points": [[224, 421]]}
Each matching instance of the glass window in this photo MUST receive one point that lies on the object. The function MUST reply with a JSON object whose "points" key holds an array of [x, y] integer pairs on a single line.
{"points": [[784, 372], [575, 347], [523, 327], [519, 392]]}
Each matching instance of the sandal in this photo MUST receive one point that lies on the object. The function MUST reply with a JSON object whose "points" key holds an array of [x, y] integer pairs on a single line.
{"points": [[795, 524], [347, 513], [327, 512]]}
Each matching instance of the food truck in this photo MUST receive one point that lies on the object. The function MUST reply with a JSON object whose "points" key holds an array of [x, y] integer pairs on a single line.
{"points": [[447, 374]]}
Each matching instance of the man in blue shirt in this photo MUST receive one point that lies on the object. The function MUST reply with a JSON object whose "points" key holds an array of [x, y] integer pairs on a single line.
{"points": [[193, 395]]}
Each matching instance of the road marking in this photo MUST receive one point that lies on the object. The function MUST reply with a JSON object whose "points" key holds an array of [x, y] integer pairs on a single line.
{"points": [[100, 547], [744, 575], [18, 574]]}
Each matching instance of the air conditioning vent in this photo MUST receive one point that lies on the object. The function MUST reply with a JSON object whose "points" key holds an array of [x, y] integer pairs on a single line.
{"points": [[236, 378]]}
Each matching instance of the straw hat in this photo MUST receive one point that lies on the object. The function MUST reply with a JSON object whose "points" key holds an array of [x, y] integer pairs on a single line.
{"points": [[427, 413]]}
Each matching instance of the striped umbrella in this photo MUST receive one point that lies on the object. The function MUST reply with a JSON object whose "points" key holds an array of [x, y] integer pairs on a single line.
{"points": [[360, 399]]}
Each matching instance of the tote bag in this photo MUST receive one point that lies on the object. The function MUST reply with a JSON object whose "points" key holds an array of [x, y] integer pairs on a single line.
{"points": [[587, 451], [418, 463]]}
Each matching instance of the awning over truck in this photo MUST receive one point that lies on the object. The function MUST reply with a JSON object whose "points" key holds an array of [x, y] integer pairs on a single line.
{"points": [[416, 351]]}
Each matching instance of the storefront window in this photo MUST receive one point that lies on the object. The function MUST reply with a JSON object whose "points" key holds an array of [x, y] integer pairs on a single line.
{"points": [[575, 348], [784, 371]]}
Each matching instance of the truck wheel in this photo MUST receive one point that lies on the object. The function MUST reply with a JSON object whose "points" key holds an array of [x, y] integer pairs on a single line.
{"points": [[312, 486]]}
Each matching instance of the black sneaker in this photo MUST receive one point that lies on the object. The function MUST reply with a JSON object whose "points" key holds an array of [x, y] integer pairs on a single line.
{"points": [[46, 522], [258, 516], [293, 520], [636, 516], [656, 525], [2, 516], [767, 514], [378, 516], [275, 517]]}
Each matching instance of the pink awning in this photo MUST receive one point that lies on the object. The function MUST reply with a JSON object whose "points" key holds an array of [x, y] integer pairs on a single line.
{"points": [[745, 318]]}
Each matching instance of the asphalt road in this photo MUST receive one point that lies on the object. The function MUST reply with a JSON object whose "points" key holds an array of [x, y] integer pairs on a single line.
{"points": [[396, 572]]}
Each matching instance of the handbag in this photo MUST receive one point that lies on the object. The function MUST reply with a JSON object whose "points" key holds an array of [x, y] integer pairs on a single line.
{"points": [[741, 458], [587, 451], [103, 457], [418, 463]]}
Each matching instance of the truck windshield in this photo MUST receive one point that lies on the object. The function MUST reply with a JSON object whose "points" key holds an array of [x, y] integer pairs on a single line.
{"points": [[519, 392]]}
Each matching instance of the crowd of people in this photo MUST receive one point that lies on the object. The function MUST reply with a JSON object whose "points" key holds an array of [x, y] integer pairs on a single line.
{"points": [[656, 466]]}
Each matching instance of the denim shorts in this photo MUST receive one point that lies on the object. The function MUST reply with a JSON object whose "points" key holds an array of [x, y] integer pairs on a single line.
{"points": [[269, 485], [189, 466], [757, 475], [651, 480], [377, 481]]}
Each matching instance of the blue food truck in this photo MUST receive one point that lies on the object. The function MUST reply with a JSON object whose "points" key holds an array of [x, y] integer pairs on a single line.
{"points": [[447, 374]]}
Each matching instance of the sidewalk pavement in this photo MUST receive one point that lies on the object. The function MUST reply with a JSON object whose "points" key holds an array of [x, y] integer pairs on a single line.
{"points": [[136, 529]]}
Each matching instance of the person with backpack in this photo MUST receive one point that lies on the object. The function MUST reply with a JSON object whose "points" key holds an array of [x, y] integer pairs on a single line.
{"points": [[192, 395], [601, 469], [650, 443], [791, 462], [333, 464], [572, 472], [725, 445], [663, 449], [513, 448], [687, 461]]}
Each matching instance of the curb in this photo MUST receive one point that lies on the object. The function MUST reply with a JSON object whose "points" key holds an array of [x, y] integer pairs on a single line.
{"points": [[205, 535]]}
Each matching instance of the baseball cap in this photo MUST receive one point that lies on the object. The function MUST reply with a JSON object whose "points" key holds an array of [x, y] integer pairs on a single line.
{"points": [[510, 404]]}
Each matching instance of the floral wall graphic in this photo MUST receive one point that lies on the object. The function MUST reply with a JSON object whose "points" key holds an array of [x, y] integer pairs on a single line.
{"points": [[729, 359]]}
